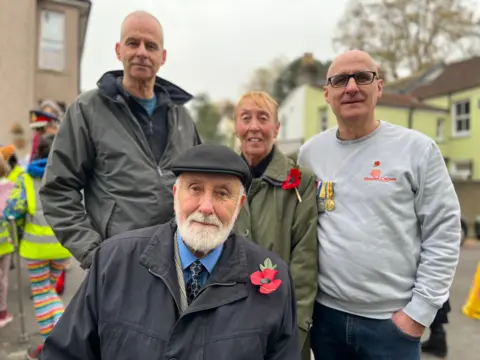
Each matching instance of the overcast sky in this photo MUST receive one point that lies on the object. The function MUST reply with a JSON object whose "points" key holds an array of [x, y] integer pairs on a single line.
{"points": [[214, 45]]}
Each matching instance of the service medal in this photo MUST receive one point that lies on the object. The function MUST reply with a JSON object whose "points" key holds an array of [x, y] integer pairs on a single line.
{"points": [[321, 205], [330, 205]]}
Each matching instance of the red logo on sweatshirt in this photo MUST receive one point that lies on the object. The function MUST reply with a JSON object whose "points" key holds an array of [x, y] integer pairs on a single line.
{"points": [[376, 174]]}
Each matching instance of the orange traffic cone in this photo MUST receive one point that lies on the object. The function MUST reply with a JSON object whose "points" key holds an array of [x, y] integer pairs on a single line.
{"points": [[472, 307]]}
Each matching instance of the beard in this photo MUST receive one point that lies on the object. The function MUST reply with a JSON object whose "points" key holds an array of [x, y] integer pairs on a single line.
{"points": [[204, 238]]}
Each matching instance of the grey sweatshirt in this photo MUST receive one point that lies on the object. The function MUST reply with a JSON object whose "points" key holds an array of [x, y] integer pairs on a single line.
{"points": [[393, 240]]}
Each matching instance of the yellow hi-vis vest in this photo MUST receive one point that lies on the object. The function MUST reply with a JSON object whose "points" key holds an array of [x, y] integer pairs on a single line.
{"points": [[15, 173], [39, 241], [6, 247]]}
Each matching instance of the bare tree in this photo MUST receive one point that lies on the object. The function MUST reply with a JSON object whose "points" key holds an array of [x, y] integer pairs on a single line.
{"points": [[263, 78], [409, 34]]}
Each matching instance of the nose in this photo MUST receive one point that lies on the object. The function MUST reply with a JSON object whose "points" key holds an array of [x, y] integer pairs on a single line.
{"points": [[206, 205], [352, 86], [254, 124], [141, 50]]}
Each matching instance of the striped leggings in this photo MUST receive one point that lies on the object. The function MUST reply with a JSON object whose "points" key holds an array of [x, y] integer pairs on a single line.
{"points": [[48, 307]]}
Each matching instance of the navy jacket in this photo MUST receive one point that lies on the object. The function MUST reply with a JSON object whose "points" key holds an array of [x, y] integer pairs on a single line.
{"points": [[126, 309]]}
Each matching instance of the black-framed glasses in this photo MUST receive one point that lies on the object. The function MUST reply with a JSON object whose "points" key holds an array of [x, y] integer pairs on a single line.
{"points": [[361, 78]]}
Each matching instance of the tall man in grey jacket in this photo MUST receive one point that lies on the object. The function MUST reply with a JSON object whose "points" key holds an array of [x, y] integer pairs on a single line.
{"points": [[116, 143], [389, 225]]}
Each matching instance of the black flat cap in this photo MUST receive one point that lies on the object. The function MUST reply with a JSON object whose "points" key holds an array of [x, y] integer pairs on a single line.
{"points": [[214, 159]]}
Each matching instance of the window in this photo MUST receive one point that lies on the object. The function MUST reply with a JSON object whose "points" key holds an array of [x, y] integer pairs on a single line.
{"points": [[323, 119], [439, 133], [461, 169], [51, 46], [461, 125]]}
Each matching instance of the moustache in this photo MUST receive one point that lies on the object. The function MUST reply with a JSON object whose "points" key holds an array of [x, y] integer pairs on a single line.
{"points": [[209, 219]]}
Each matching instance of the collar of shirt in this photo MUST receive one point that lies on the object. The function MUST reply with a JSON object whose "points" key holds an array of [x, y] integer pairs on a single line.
{"points": [[187, 258]]}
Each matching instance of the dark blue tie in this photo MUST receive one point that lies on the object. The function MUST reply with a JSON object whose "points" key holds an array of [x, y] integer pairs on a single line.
{"points": [[194, 286]]}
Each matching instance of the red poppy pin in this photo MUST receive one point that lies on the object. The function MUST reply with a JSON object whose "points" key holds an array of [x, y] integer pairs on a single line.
{"points": [[376, 163], [265, 278], [293, 181]]}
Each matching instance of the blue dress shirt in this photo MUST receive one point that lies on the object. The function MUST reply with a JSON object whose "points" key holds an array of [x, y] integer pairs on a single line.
{"points": [[187, 258]]}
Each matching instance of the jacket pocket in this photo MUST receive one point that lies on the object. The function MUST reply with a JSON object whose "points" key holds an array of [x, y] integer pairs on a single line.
{"points": [[121, 341], [245, 345], [107, 215]]}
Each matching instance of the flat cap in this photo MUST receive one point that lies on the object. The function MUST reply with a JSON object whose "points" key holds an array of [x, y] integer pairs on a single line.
{"points": [[214, 159]]}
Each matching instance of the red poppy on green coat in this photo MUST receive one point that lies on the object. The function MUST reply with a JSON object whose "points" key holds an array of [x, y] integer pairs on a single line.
{"points": [[293, 179]]}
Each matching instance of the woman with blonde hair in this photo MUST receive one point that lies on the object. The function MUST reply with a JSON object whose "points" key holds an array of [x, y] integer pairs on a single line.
{"points": [[280, 213]]}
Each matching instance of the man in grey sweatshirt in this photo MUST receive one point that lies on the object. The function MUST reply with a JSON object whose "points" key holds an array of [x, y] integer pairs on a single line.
{"points": [[389, 224]]}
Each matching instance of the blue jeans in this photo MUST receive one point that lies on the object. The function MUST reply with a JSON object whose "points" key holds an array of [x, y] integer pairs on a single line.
{"points": [[336, 335]]}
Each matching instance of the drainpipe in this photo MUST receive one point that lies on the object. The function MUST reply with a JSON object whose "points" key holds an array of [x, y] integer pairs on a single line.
{"points": [[82, 36]]}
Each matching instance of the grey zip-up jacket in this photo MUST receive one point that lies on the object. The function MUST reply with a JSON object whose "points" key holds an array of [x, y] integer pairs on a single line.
{"points": [[100, 148]]}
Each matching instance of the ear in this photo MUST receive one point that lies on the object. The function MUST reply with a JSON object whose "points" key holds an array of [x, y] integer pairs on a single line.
{"points": [[117, 51], [277, 129], [164, 57], [174, 189], [242, 200], [325, 94], [379, 88]]}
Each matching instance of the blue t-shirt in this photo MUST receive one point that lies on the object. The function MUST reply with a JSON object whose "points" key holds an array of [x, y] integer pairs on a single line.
{"points": [[148, 104]]}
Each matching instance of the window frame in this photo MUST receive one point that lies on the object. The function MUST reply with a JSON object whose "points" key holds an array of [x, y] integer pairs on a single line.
{"points": [[464, 117], [51, 41]]}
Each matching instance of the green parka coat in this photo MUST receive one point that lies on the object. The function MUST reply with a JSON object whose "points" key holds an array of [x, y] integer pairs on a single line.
{"points": [[275, 219]]}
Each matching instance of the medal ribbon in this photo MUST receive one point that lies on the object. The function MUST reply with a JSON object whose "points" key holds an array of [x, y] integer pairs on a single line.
{"points": [[329, 190], [322, 189]]}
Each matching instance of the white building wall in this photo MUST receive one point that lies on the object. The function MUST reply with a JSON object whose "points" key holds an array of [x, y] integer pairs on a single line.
{"points": [[292, 115], [292, 121]]}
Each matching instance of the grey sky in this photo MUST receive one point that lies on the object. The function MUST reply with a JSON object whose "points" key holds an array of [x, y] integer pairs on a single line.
{"points": [[214, 45]]}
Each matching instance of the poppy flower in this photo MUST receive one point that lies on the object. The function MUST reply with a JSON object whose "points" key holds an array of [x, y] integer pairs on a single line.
{"points": [[376, 163], [293, 179], [265, 278]]}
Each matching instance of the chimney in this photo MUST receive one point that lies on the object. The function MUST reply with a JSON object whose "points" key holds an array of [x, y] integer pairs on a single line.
{"points": [[307, 59]]}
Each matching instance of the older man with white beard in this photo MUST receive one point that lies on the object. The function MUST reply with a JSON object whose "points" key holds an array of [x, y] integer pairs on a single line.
{"points": [[188, 289]]}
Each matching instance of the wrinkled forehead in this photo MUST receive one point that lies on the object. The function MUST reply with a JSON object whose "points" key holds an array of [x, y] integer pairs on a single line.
{"points": [[351, 64], [210, 179]]}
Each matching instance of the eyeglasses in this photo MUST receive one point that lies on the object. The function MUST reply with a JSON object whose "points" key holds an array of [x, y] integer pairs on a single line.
{"points": [[361, 78]]}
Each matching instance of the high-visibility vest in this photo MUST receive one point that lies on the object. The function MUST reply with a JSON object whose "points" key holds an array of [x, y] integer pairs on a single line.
{"points": [[6, 247], [15, 173], [39, 241]]}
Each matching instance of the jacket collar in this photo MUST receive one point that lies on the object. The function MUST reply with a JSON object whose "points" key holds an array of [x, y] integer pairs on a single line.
{"points": [[108, 86], [158, 257], [277, 170]]}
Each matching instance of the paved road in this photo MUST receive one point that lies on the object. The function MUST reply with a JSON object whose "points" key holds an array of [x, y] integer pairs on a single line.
{"points": [[463, 332]]}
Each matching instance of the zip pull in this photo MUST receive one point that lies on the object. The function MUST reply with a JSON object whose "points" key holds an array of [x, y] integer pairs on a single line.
{"points": [[159, 170]]}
